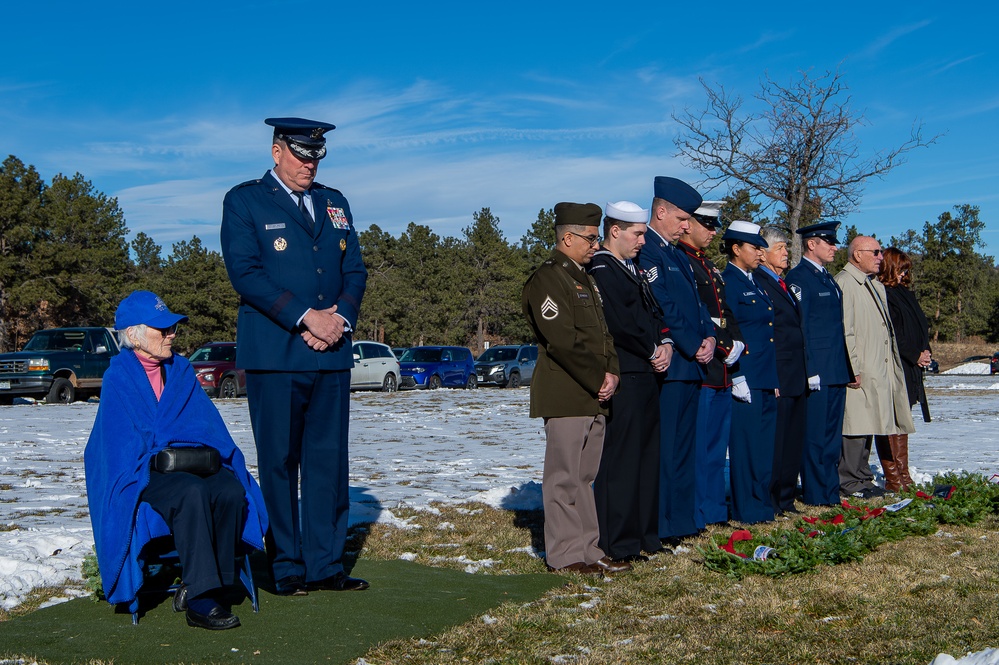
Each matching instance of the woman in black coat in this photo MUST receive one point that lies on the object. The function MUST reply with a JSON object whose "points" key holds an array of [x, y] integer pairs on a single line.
{"points": [[912, 334]]}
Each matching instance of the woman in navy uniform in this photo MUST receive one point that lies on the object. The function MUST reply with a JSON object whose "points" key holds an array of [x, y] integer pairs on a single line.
{"points": [[754, 385]]}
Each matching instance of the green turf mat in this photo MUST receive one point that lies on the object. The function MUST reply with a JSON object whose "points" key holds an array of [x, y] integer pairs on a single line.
{"points": [[405, 600]]}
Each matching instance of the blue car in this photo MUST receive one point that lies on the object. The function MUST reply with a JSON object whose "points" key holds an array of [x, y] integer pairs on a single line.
{"points": [[435, 366]]}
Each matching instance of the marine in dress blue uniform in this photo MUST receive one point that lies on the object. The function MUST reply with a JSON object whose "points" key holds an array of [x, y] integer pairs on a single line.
{"points": [[827, 364], [714, 409], [292, 254], [792, 380], [754, 409], [692, 335], [627, 486]]}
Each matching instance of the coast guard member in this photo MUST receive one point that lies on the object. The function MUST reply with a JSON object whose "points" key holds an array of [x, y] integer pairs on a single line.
{"points": [[292, 255], [576, 376], [791, 376], [828, 368], [754, 386], [714, 409], [692, 335], [627, 485]]}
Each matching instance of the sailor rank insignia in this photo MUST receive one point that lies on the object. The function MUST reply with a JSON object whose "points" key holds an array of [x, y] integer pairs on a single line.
{"points": [[280, 244], [337, 217], [343, 244]]}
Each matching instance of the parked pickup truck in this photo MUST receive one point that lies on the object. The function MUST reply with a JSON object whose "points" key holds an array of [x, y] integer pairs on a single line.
{"points": [[59, 364]]}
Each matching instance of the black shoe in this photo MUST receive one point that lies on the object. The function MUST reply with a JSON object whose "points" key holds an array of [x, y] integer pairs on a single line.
{"points": [[339, 582], [873, 492], [293, 585], [631, 558], [217, 619], [180, 598]]}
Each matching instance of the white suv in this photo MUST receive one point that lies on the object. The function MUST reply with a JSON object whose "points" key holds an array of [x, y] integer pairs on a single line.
{"points": [[375, 368]]}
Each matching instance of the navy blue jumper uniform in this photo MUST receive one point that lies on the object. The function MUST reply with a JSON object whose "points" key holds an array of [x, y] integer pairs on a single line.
{"points": [[298, 397], [791, 405], [751, 447], [821, 304], [671, 278]]}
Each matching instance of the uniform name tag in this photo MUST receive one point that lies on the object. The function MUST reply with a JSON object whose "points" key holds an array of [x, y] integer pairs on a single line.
{"points": [[826, 293], [271, 227], [583, 295], [673, 268]]}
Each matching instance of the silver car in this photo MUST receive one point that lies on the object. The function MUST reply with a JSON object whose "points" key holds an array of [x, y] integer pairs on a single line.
{"points": [[509, 366], [375, 368]]}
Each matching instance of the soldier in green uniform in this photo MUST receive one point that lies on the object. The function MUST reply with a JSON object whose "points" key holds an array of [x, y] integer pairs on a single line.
{"points": [[576, 375]]}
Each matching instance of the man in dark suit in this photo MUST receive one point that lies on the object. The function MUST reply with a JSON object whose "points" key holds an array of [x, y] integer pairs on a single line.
{"points": [[292, 254], [828, 368], [627, 485], [576, 376], [692, 335], [789, 343], [714, 409]]}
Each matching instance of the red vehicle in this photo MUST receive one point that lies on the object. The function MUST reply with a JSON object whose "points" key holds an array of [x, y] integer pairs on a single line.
{"points": [[215, 365]]}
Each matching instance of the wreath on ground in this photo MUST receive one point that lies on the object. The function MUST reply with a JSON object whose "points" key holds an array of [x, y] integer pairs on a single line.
{"points": [[850, 531]]}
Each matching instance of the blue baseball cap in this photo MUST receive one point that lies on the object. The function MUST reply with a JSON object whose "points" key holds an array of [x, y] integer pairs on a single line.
{"points": [[677, 192], [145, 307]]}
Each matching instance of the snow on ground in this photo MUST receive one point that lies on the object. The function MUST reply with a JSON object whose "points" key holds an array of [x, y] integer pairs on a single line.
{"points": [[970, 368], [406, 449]]}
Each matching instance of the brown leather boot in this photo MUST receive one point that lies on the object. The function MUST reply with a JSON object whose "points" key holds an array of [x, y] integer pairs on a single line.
{"points": [[900, 453], [889, 464]]}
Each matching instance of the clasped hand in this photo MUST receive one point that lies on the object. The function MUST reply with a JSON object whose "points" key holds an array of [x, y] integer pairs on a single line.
{"points": [[323, 328]]}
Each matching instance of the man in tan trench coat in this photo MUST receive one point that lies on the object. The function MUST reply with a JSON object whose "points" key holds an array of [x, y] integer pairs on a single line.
{"points": [[876, 401], [576, 375]]}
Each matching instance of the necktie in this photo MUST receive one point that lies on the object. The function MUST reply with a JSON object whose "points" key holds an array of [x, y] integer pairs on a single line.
{"points": [[780, 280], [305, 211]]}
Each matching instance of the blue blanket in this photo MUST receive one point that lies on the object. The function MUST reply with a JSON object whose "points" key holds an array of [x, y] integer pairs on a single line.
{"points": [[131, 427]]}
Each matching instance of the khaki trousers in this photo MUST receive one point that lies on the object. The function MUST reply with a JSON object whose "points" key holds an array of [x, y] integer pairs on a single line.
{"points": [[572, 459]]}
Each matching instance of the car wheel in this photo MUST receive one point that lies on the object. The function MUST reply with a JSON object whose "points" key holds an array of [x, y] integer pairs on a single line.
{"points": [[514, 380], [227, 389], [62, 392], [434, 383], [388, 383], [472, 383]]}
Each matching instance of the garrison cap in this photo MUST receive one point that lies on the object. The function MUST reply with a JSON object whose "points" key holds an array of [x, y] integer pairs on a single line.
{"points": [[824, 230], [742, 231], [579, 214], [304, 137], [626, 211], [677, 192], [709, 214]]}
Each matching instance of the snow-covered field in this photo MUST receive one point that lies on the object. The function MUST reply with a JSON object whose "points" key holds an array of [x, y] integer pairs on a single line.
{"points": [[407, 449]]}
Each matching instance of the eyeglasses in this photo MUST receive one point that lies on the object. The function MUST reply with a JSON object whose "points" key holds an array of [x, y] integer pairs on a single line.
{"points": [[166, 332], [875, 252], [591, 240]]}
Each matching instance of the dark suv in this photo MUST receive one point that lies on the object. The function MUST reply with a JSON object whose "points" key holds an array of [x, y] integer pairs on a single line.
{"points": [[509, 366], [215, 365], [59, 364]]}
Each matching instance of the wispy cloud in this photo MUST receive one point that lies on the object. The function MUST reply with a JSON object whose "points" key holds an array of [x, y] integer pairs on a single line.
{"points": [[955, 63], [881, 43]]}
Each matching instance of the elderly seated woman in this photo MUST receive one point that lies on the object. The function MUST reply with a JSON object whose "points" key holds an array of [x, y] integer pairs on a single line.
{"points": [[159, 440]]}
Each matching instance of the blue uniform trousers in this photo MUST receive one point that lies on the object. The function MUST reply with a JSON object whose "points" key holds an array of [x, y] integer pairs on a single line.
{"points": [[678, 402], [205, 516], [823, 443], [788, 444], [714, 420], [300, 422], [751, 456]]}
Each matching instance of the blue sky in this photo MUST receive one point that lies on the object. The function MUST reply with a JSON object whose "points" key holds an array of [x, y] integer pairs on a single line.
{"points": [[445, 108]]}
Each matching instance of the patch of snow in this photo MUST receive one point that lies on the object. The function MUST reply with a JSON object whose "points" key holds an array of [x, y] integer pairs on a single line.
{"points": [[971, 369]]}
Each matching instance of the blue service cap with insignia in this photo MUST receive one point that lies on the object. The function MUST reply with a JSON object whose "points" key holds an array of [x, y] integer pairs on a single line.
{"points": [[743, 231], [824, 230], [709, 214], [304, 137], [677, 192]]}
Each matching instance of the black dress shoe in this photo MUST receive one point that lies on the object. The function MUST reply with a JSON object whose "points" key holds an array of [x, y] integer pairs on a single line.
{"points": [[293, 585], [339, 582], [180, 598], [631, 558], [609, 566], [578, 567], [217, 619]]}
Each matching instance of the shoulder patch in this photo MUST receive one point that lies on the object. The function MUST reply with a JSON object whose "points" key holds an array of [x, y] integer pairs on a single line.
{"points": [[651, 274], [549, 309], [795, 291]]}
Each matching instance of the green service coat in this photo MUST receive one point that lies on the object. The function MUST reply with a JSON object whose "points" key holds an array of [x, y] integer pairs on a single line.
{"points": [[563, 307]]}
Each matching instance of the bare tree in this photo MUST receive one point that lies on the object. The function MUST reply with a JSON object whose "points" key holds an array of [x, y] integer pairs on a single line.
{"points": [[801, 150]]}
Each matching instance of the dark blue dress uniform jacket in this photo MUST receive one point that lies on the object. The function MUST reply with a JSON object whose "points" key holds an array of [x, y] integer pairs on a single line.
{"points": [[671, 278], [281, 268], [754, 311], [821, 304], [788, 337]]}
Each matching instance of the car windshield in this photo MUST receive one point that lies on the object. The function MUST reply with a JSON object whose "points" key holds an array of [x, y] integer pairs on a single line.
{"points": [[421, 356], [57, 340], [498, 354], [214, 354]]}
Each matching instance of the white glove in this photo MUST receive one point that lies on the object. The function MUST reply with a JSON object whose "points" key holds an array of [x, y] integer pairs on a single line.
{"points": [[737, 349], [813, 383], [740, 390]]}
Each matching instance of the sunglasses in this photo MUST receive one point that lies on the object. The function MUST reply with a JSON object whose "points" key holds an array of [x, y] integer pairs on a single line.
{"points": [[875, 252], [592, 240]]}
